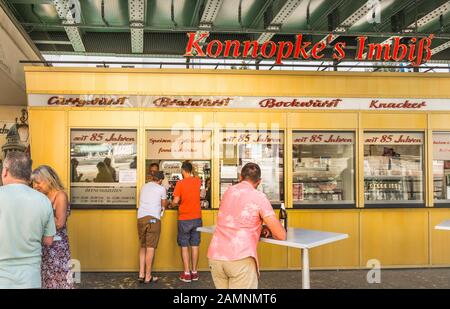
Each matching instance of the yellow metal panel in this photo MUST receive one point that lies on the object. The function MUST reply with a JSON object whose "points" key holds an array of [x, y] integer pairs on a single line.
{"points": [[341, 254], [215, 176], [235, 82], [104, 118], [48, 136], [208, 218], [396, 121], [288, 169], [107, 240], [395, 237], [168, 256], [440, 239], [272, 256], [440, 121], [428, 161], [141, 155], [323, 120], [359, 163], [104, 240], [178, 119], [251, 120]]}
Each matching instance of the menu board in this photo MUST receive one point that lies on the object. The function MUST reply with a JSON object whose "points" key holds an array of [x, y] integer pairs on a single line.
{"points": [[441, 146], [103, 167], [89, 194], [178, 144]]}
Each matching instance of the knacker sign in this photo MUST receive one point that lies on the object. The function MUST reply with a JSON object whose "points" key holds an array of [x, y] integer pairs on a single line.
{"points": [[417, 51], [238, 102]]}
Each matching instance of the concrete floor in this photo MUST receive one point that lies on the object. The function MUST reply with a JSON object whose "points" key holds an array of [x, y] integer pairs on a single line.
{"points": [[320, 279]]}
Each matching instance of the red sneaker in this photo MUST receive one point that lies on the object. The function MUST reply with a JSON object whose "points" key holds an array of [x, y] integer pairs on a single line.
{"points": [[185, 277], [194, 276]]}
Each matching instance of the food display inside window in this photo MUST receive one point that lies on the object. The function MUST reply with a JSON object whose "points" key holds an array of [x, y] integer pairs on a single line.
{"points": [[441, 167], [168, 149], [393, 167], [103, 167], [323, 168], [265, 148]]}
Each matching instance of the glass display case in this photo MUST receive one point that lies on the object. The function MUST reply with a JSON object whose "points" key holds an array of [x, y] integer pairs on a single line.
{"points": [[266, 148], [441, 167], [170, 148], [172, 173], [323, 168], [103, 168], [393, 167]]}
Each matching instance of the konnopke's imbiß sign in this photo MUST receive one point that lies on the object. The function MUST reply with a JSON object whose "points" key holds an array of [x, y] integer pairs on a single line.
{"points": [[417, 51]]}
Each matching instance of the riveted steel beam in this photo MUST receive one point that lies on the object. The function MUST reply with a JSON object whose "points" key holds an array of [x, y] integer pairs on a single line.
{"points": [[441, 10], [280, 18], [69, 11], [136, 10]]}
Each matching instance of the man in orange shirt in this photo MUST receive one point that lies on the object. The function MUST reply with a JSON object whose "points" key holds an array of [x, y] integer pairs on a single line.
{"points": [[187, 194]]}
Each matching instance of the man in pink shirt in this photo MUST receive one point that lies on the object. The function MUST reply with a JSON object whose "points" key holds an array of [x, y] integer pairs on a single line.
{"points": [[232, 253]]}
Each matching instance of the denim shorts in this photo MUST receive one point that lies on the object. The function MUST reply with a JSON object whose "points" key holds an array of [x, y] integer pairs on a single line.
{"points": [[187, 232]]}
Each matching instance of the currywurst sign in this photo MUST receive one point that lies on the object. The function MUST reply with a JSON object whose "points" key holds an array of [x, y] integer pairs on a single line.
{"points": [[417, 51], [238, 102]]}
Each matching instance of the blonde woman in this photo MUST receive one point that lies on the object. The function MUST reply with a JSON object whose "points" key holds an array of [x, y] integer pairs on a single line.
{"points": [[55, 268]]}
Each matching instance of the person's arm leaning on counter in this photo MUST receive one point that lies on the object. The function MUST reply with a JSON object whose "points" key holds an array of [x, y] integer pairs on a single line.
{"points": [[273, 228]]}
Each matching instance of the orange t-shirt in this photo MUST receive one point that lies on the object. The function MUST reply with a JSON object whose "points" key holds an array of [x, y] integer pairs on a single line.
{"points": [[188, 190]]}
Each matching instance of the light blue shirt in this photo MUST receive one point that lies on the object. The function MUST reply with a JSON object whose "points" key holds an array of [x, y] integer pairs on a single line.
{"points": [[26, 216]]}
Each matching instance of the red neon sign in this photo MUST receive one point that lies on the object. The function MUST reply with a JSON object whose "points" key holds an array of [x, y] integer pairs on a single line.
{"points": [[417, 51]]}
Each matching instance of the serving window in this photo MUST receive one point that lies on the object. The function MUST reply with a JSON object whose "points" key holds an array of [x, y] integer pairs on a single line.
{"points": [[323, 168], [441, 167], [265, 148], [103, 168], [393, 167], [168, 149]]}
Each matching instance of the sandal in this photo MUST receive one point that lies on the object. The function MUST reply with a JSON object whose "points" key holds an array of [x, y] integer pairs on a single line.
{"points": [[141, 279], [153, 279]]}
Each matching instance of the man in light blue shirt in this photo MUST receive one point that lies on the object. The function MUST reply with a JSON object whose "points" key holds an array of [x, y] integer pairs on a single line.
{"points": [[26, 222]]}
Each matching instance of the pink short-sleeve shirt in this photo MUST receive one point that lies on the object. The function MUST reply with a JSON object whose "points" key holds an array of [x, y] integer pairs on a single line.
{"points": [[239, 221]]}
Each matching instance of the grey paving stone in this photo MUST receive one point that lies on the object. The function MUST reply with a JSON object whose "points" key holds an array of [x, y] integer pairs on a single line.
{"points": [[429, 278]]}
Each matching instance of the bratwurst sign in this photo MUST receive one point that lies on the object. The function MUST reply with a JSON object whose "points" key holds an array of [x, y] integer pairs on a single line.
{"points": [[417, 51]]}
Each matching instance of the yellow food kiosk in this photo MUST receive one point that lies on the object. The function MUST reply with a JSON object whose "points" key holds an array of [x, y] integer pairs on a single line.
{"points": [[366, 154]]}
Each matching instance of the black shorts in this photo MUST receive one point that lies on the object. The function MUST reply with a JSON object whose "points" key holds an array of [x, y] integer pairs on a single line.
{"points": [[187, 232]]}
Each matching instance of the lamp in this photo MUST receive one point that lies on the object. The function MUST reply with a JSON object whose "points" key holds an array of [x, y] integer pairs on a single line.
{"points": [[22, 127]]}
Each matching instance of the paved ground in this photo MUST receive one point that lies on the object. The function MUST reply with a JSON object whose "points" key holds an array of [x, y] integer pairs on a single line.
{"points": [[343, 279]]}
